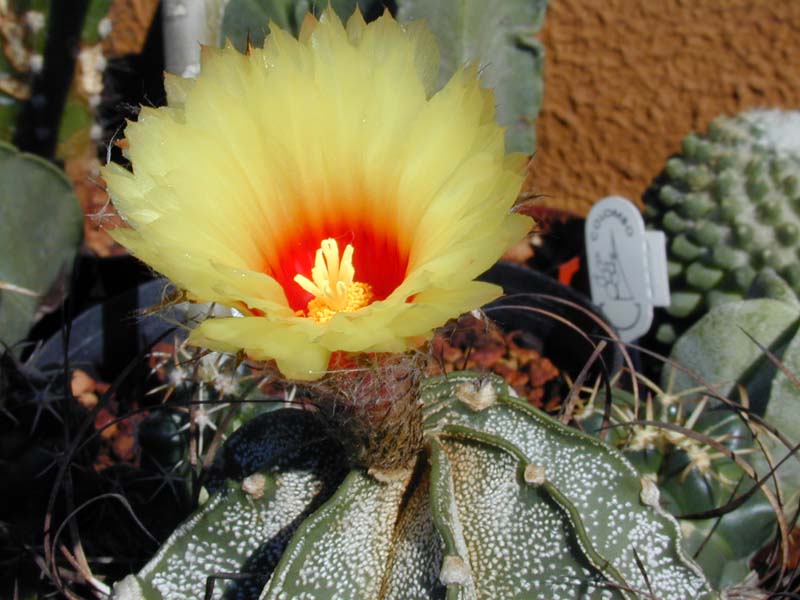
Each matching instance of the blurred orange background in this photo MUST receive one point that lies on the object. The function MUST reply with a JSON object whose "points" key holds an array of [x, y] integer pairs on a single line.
{"points": [[626, 80]]}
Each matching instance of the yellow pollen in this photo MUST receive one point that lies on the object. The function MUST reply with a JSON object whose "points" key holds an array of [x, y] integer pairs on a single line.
{"points": [[332, 283]]}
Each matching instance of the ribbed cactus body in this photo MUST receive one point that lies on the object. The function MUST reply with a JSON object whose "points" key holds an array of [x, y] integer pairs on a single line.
{"points": [[503, 502], [692, 476], [730, 205]]}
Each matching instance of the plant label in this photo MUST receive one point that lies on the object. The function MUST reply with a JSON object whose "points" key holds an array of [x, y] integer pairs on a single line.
{"points": [[627, 266]]}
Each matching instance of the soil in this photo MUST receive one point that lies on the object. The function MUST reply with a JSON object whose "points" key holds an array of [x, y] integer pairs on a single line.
{"points": [[626, 80]]}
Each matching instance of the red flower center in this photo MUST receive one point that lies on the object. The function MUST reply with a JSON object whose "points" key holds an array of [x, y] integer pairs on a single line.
{"points": [[378, 259]]}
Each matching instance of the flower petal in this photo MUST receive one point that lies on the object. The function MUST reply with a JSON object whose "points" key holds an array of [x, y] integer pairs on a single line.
{"points": [[296, 355], [335, 135]]}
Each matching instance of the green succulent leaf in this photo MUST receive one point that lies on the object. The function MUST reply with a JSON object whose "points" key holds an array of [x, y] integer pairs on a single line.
{"points": [[783, 409], [249, 19], [718, 349], [500, 38], [768, 284], [345, 8], [40, 229], [245, 20]]}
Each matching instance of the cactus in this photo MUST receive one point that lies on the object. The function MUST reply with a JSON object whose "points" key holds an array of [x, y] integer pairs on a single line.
{"points": [[724, 354], [501, 38], [692, 477], [203, 393], [730, 204], [727, 348], [202, 384], [502, 502]]}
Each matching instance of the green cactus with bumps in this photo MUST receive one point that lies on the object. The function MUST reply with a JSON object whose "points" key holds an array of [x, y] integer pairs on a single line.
{"points": [[749, 351], [730, 205], [501, 501], [723, 355]]}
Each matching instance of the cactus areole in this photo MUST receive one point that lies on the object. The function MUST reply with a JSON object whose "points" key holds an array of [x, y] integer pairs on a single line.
{"points": [[320, 189]]}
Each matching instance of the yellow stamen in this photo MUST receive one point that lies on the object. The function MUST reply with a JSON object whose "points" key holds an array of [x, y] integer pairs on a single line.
{"points": [[332, 283]]}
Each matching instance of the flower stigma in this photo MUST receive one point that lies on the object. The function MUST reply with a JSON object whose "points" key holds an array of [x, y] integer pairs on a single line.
{"points": [[333, 287]]}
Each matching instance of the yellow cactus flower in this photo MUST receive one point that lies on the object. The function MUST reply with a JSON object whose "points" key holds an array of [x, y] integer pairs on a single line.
{"points": [[322, 189]]}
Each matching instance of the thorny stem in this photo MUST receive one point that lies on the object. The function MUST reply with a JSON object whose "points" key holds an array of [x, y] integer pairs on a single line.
{"points": [[745, 466], [743, 412]]}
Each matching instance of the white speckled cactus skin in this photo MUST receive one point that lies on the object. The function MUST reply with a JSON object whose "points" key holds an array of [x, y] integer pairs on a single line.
{"points": [[503, 503]]}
